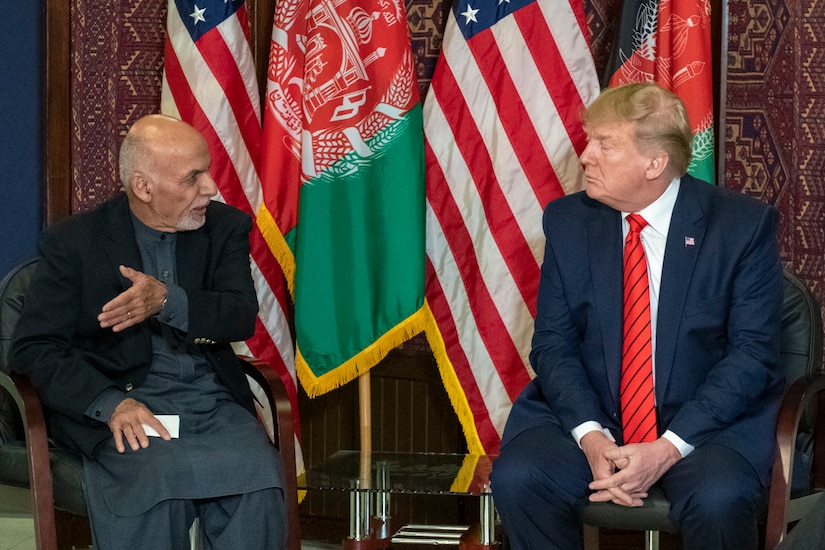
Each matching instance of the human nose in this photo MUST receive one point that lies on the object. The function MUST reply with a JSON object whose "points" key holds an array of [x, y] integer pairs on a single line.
{"points": [[587, 155], [208, 185]]}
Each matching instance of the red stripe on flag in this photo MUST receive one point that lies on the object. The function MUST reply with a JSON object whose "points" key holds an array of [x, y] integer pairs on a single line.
{"points": [[490, 326], [281, 174], [219, 59], [502, 224], [242, 15], [190, 110], [555, 74], [461, 365], [513, 115], [581, 19]]}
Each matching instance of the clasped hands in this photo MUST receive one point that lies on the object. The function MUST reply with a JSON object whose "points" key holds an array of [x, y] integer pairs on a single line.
{"points": [[140, 301], [624, 474]]}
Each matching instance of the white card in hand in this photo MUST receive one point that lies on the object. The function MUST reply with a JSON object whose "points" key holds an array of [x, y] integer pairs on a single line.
{"points": [[170, 421]]}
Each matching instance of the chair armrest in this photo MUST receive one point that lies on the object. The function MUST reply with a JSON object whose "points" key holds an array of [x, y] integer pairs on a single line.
{"points": [[275, 389], [37, 452], [797, 398]]}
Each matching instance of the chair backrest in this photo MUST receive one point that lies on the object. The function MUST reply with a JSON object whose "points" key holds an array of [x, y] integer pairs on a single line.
{"points": [[800, 345], [800, 354], [13, 290]]}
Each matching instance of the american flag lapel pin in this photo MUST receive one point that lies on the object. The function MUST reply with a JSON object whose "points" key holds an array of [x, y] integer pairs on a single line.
{"points": [[689, 241]]}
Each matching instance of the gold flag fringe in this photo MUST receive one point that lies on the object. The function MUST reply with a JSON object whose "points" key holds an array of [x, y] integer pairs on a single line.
{"points": [[465, 475], [277, 245], [450, 380], [421, 320], [361, 362]]}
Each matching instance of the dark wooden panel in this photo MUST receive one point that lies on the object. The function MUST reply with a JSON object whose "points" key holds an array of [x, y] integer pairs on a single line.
{"points": [[58, 161], [261, 14], [410, 413]]}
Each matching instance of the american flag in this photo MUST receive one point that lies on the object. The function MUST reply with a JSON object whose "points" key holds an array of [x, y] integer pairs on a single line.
{"points": [[210, 82], [503, 136]]}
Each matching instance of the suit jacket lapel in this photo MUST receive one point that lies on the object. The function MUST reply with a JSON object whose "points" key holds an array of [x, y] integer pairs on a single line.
{"points": [[122, 249], [605, 255], [684, 241], [120, 244], [191, 251]]}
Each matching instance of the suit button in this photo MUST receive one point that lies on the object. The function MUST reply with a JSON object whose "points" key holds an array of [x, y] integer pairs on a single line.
{"points": [[129, 387]]}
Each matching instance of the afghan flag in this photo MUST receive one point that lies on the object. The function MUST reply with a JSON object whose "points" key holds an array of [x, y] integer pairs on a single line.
{"points": [[669, 42], [343, 182]]}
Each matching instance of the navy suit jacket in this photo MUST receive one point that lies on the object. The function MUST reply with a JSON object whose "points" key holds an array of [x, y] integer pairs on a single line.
{"points": [[58, 341], [717, 333]]}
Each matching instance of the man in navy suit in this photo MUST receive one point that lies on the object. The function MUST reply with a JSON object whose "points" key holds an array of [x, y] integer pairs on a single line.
{"points": [[715, 288], [130, 315]]}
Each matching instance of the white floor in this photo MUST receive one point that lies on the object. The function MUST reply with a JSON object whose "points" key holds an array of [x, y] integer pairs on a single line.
{"points": [[16, 534]]}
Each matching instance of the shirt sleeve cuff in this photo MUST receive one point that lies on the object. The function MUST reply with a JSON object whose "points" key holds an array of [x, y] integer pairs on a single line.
{"points": [[175, 311], [680, 444], [104, 405], [586, 427]]}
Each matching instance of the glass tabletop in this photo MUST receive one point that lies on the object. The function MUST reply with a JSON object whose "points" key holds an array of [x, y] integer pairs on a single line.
{"points": [[403, 473]]}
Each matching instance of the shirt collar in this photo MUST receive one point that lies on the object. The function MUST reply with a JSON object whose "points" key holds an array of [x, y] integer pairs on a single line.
{"points": [[146, 233], [658, 213]]}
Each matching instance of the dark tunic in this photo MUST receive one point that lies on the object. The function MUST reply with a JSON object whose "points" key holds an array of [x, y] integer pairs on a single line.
{"points": [[222, 449]]}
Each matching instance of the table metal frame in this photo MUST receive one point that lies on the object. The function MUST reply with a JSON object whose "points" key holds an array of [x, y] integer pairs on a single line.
{"points": [[371, 479]]}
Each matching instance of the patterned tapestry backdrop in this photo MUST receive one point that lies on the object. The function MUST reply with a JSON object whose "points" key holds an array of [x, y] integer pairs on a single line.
{"points": [[774, 132]]}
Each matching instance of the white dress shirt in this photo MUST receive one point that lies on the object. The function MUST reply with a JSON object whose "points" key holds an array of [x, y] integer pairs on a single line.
{"points": [[654, 240]]}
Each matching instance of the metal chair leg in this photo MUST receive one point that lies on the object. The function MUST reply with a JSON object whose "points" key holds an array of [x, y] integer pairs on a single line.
{"points": [[196, 535], [651, 540]]}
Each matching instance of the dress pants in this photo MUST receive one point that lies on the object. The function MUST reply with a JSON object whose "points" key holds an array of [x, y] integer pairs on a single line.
{"points": [[255, 520], [539, 483]]}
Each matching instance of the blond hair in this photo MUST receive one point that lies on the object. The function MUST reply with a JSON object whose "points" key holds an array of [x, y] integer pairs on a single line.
{"points": [[659, 119]]}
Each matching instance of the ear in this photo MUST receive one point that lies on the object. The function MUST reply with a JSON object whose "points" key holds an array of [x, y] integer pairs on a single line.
{"points": [[657, 164], [142, 187]]}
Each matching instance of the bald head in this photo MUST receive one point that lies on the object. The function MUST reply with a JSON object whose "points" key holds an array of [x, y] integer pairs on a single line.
{"points": [[164, 168], [151, 140]]}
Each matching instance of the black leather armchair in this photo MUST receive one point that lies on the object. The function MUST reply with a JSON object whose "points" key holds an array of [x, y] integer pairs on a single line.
{"points": [[799, 464], [55, 476]]}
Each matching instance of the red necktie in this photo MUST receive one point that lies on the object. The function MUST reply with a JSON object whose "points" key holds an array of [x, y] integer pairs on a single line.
{"points": [[637, 400]]}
